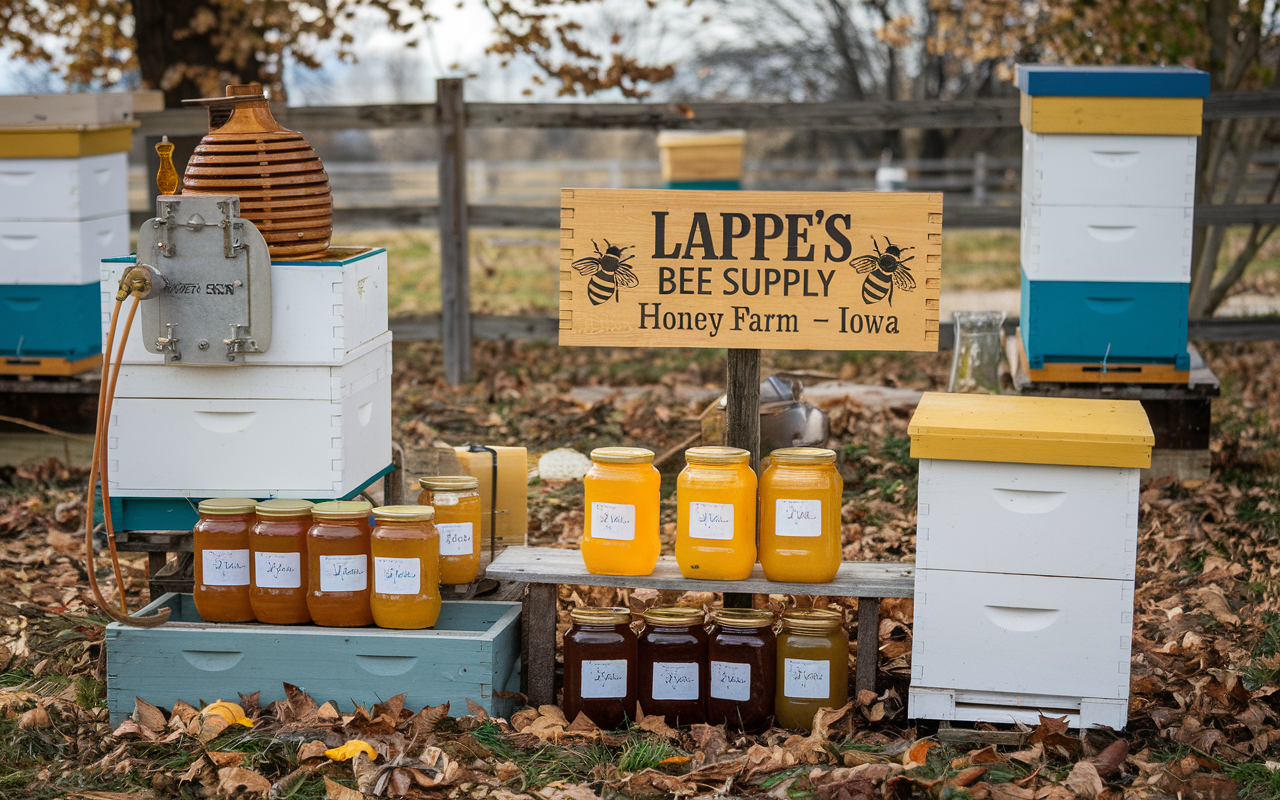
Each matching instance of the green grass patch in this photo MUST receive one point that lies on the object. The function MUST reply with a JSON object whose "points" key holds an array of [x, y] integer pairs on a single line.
{"points": [[1255, 780]]}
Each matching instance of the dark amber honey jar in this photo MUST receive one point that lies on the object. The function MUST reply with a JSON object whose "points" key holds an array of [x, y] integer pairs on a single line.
{"points": [[600, 666]]}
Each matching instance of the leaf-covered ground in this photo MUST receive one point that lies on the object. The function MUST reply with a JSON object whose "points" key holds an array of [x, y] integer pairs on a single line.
{"points": [[1204, 715]]}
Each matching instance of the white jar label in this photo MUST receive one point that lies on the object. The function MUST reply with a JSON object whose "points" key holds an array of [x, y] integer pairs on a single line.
{"points": [[730, 681], [397, 575], [798, 517], [711, 520], [602, 679], [804, 678], [444, 499], [456, 538], [613, 521], [225, 567], [344, 573], [675, 680], [278, 570]]}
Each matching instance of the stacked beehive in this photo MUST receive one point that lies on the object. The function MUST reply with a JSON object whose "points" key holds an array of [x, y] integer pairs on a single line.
{"points": [[1108, 193], [64, 205], [697, 160], [308, 418]]}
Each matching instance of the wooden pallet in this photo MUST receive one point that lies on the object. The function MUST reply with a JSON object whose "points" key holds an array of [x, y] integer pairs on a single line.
{"points": [[22, 365], [1097, 372]]}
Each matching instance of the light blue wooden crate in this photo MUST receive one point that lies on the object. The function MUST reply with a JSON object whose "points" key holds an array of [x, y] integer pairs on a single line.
{"points": [[1087, 322], [472, 653]]}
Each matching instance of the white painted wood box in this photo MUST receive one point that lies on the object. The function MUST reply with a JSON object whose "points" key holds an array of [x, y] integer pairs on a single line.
{"points": [[321, 310], [61, 253], [1026, 547], [1060, 169], [1106, 243], [279, 431], [54, 189]]}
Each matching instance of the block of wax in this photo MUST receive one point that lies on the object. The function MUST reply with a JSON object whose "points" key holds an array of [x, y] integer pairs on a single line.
{"points": [[512, 519]]}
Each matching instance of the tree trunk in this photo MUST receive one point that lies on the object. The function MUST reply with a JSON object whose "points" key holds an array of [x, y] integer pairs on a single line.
{"points": [[174, 58]]}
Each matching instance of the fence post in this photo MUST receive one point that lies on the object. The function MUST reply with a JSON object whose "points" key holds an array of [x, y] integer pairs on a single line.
{"points": [[979, 179], [455, 275]]}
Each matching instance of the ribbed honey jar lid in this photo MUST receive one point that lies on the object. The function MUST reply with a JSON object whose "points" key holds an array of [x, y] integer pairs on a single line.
{"points": [[622, 455], [404, 513], [341, 509], [743, 617], [812, 620], [609, 615], [803, 455], [674, 615], [449, 483], [282, 507], [226, 506], [716, 455]]}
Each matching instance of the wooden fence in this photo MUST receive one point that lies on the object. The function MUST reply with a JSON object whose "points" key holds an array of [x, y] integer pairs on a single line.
{"points": [[451, 116]]}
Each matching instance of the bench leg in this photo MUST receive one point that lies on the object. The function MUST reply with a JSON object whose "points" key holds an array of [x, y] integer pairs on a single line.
{"points": [[155, 563], [868, 644], [539, 656]]}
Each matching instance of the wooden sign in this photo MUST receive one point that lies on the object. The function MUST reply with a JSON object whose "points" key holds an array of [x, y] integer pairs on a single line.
{"points": [[776, 270]]}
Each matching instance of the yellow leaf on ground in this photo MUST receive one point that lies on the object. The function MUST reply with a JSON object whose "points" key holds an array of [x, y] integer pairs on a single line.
{"points": [[349, 750]]}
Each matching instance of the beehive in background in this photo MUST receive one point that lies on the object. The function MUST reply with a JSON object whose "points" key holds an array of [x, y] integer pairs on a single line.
{"points": [[1108, 193], [64, 206], [1026, 547], [696, 160], [511, 522]]}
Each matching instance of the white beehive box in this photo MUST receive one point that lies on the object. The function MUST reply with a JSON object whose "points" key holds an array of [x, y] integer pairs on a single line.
{"points": [[59, 253], [1112, 170], [280, 431], [321, 310], [1026, 551], [1106, 243], [64, 188]]}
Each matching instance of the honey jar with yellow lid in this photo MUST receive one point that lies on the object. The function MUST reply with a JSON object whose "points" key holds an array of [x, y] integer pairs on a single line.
{"points": [[222, 572], [338, 564], [456, 500], [278, 545], [620, 530], [716, 514], [800, 499], [406, 567]]}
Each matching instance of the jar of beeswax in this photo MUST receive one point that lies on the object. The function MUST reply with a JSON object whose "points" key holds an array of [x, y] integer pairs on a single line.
{"points": [[742, 662], [456, 500], [406, 568], [673, 657], [600, 666], [620, 532], [338, 564], [813, 666], [716, 514], [278, 544], [221, 543], [800, 496]]}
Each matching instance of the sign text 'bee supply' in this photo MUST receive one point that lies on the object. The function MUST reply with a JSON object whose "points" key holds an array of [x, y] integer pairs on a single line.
{"points": [[784, 270]]}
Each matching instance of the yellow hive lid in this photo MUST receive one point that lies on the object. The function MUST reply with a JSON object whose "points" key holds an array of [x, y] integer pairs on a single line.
{"points": [[1031, 430]]}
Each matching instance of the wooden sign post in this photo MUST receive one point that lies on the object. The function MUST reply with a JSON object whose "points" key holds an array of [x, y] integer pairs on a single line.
{"points": [[747, 271]]}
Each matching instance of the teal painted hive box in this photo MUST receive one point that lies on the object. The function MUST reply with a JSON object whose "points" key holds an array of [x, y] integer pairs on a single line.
{"points": [[472, 654], [50, 321]]}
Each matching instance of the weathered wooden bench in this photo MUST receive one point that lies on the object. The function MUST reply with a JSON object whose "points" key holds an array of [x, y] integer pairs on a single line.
{"points": [[543, 568]]}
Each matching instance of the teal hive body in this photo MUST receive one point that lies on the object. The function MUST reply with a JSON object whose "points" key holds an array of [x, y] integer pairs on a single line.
{"points": [[1087, 322], [1047, 80], [50, 321]]}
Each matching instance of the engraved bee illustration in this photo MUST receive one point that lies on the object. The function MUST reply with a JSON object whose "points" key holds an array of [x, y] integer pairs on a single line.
{"points": [[887, 269], [608, 271]]}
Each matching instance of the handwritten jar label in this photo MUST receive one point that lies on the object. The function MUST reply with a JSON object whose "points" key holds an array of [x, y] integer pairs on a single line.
{"points": [[676, 680], [804, 678], [730, 681], [613, 521], [456, 538], [397, 575], [226, 567], [711, 520], [344, 573], [798, 517], [277, 570], [603, 679]]}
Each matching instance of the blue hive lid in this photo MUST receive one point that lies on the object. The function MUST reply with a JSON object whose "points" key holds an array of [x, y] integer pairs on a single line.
{"points": [[1045, 80]]}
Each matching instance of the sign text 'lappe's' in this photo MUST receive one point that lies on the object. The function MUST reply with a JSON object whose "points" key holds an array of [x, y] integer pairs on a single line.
{"points": [[787, 270]]}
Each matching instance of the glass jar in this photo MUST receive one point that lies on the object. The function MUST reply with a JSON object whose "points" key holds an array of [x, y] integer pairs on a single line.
{"points": [[221, 543], [456, 499], [813, 666], [620, 532], [800, 498], [278, 545], [716, 514], [600, 666], [406, 568], [673, 655], [338, 564], [741, 664], [975, 358]]}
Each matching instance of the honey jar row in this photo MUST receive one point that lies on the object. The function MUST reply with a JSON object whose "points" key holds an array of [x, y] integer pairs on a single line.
{"points": [[287, 562], [797, 503], [744, 669]]}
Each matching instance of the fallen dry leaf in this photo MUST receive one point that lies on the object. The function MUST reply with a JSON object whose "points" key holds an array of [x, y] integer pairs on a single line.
{"points": [[312, 749], [234, 781], [34, 718], [336, 791], [1084, 781], [148, 716]]}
